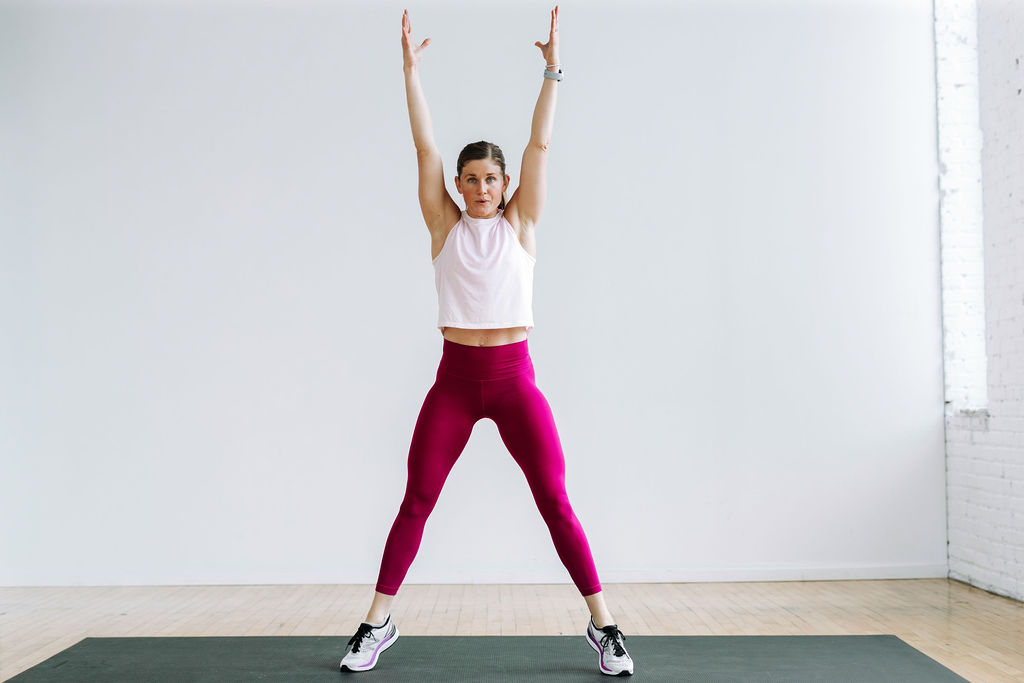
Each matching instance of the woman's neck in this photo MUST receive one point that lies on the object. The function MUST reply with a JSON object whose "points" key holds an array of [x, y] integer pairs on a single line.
{"points": [[492, 215]]}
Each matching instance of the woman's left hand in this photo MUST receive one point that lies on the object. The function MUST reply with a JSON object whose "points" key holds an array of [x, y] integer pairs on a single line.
{"points": [[550, 49]]}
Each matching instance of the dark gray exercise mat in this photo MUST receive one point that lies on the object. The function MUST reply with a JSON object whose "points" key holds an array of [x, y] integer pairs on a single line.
{"points": [[491, 658]]}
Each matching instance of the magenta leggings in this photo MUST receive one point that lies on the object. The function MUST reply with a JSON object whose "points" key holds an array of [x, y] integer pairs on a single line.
{"points": [[474, 382]]}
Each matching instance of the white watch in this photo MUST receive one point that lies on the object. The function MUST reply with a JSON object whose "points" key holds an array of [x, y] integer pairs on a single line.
{"points": [[553, 75]]}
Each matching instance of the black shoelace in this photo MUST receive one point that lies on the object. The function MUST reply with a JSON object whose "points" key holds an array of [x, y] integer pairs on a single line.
{"points": [[361, 632], [612, 635]]}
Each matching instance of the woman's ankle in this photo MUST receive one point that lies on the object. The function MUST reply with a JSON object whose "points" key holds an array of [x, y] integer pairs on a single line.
{"points": [[376, 619]]}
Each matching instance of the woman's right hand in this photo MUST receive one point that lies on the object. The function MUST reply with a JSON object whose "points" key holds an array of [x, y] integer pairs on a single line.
{"points": [[411, 52]]}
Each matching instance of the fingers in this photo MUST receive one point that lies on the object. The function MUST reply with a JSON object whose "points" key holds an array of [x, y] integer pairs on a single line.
{"points": [[554, 30]]}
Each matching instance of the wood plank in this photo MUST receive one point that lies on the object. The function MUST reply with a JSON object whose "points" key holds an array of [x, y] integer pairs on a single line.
{"points": [[975, 633]]}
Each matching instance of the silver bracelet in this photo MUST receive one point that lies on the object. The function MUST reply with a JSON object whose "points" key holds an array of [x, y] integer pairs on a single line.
{"points": [[552, 66]]}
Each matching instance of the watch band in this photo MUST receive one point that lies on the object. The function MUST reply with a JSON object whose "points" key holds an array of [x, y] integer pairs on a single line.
{"points": [[553, 75]]}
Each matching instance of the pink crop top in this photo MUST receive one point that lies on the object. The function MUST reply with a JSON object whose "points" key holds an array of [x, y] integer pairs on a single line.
{"points": [[484, 276]]}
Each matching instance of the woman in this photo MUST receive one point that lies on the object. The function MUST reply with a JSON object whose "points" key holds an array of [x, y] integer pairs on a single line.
{"points": [[483, 258]]}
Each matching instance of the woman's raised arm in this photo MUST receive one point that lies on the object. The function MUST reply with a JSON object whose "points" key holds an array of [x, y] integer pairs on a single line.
{"points": [[439, 209], [528, 201]]}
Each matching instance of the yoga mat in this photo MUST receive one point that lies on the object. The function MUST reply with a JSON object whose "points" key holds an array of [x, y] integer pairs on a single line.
{"points": [[554, 659]]}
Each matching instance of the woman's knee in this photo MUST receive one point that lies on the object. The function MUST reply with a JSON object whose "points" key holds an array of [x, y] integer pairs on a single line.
{"points": [[417, 504], [554, 505]]}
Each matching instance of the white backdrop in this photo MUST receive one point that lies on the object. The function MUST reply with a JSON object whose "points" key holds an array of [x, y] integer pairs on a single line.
{"points": [[219, 317]]}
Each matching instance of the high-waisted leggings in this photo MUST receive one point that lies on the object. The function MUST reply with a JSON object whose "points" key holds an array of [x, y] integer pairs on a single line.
{"points": [[496, 382]]}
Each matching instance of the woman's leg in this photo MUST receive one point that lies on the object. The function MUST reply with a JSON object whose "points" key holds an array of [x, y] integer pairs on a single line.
{"points": [[602, 617], [527, 427], [443, 427], [380, 608]]}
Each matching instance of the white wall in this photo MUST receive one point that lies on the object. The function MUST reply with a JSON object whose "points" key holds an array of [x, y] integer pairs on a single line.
{"points": [[218, 311], [985, 446]]}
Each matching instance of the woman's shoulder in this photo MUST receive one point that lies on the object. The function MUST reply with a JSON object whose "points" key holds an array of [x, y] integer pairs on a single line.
{"points": [[514, 219], [444, 223]]}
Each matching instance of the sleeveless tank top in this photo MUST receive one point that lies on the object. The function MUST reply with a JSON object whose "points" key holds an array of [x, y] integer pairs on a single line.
{"points": [[484, 276]]}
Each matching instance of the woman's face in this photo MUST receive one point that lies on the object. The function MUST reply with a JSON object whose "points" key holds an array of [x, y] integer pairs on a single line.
{"points": [[481, 185]]}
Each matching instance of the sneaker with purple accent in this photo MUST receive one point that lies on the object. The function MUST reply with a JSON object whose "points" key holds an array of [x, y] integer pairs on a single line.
{"points": [[611, 652], [367, 644]]}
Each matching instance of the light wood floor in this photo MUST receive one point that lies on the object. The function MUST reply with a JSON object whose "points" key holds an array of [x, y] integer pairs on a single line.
{"points": [[976, 634]]}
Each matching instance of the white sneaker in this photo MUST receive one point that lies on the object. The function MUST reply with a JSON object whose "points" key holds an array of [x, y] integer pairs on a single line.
{"points": [[368, 642], [612, 656]]}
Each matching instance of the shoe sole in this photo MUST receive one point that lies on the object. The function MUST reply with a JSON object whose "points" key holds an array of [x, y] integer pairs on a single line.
{"points": [[600, 659], [388, 642]]}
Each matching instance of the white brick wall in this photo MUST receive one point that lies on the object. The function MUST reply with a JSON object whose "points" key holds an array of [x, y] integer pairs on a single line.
{"points": [[985, 443], [960, 210]]}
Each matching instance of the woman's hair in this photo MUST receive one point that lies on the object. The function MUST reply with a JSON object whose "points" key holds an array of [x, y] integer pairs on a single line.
{"points": [[483, 150]]}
